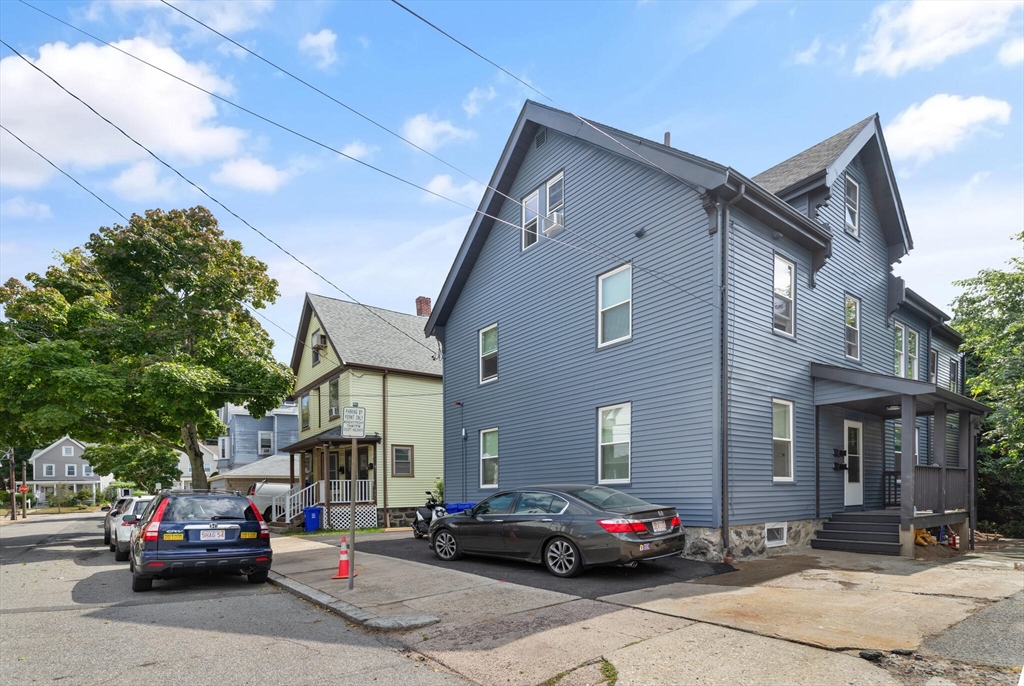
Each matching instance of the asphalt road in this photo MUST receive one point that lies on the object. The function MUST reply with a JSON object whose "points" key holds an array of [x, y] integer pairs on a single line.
{"points": [[591, 583], [68, 615]]}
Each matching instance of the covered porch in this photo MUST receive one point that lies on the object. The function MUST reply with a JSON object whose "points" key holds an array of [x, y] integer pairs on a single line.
{"points": [[927, 477]]}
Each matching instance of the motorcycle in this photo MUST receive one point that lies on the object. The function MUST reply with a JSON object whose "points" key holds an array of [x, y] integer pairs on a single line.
{"points": [[426, 514]]}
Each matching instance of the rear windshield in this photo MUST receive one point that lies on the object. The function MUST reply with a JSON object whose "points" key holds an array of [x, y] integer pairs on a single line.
{"points": [[140, 506], [607, 498], [187, 509]]}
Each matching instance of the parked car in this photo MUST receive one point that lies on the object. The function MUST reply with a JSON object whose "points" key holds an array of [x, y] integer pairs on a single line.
{"points": [[111, 513], [262, 494], [122, 524], [567, 528], [199, 532]]}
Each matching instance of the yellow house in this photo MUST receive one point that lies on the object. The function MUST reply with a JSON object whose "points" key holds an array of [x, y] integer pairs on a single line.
{"points": [[347, 354]]}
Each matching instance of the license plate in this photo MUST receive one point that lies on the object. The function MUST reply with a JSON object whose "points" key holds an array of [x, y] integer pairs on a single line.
{"points": [[248, 534], [211, 535], [659, 526], [174, 537]]}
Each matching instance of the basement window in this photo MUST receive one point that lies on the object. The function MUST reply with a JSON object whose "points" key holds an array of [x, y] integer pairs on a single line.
{"points": [[775, 534]]}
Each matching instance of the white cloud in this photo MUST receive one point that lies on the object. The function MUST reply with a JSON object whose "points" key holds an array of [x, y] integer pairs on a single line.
{"points": [[476, 98], [146, 181], [320, 46], [705, 23], [431, 134], [364, 41], [809, 55], [1012, 52], [169, 117], [248, 173], [924, 33], [940, 124], [359, 150], [226, 16], [442, 184], [20, 207]]}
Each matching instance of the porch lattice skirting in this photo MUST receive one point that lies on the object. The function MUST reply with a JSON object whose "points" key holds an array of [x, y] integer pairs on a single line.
{"points": [[366, 516]]}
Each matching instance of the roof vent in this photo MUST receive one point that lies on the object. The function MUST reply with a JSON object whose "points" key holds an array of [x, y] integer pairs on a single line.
{"points": [[542, 137]]}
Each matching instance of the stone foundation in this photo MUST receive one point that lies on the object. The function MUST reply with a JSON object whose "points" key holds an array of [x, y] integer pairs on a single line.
{"points": [[400, 516], [748, 541]]}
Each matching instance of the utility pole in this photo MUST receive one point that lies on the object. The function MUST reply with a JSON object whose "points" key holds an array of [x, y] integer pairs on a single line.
{"points": [[14, 491], [24, 496]]}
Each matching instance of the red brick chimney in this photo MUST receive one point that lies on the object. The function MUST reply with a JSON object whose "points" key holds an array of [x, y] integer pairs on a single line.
{"points": [[422, 306]]}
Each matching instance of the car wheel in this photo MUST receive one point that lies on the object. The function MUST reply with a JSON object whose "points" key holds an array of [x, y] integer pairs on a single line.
{"points": [[120, 556], [106, 537], [259, 577], [141, 584], [562, 557], [113, 547], [446, 546], [268, 514]]}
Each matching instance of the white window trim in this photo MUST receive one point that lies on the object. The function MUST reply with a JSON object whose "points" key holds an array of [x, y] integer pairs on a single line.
{"points": [[933, 365], [480, 353], [899, 326], [333, 411], [71, 470], [489, 457], [314, 340], [855, 227], [52, 469], [792, 306], [916, 358], [547, 196], [87, 470], [629, 455], [953, 383], [846, 325], [259, 442], [792, 443], [785, 534], [601, 308], [67, 451], [522, 222]]}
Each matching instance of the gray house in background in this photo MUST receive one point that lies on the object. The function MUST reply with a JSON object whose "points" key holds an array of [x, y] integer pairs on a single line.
{"points": [[248, 439], [61, 461], [624, 313]]}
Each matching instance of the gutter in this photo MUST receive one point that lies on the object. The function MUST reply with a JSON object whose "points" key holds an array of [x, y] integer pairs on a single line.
{"points": [[724, 381]]}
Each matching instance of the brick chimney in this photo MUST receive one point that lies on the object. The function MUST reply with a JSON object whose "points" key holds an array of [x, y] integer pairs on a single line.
{"points": [[422, 306]]}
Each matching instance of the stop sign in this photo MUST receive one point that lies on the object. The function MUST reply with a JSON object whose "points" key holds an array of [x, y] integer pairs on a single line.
{"points": [[23, 489]]}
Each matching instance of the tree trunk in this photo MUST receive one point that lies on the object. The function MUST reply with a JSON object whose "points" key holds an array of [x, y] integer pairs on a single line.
{"points": [[190, 439]]}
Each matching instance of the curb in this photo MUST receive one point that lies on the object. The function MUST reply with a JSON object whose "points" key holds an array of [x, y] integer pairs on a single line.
{"points": [[348, 611]]}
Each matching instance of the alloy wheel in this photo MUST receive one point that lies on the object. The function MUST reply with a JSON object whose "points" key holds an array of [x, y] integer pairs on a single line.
{"points": [[445, 545], [561, 557]]}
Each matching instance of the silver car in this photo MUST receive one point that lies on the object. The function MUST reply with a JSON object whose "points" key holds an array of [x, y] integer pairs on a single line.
{"points": [[121, 531]]}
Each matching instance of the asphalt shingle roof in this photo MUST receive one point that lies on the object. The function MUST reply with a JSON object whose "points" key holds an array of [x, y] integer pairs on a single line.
{"points": [[360, 336], [809, 162], [275, 465]]}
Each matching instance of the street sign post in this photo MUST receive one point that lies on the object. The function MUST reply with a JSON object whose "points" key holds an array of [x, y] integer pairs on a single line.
{"points": [[23, 489], [353, 425]]}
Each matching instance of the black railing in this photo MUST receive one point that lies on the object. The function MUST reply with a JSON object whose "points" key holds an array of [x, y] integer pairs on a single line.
{"points": [[891, 488]]}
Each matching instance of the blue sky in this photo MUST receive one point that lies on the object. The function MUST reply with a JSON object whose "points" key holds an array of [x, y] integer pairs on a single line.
{"points": [[742, 83]]}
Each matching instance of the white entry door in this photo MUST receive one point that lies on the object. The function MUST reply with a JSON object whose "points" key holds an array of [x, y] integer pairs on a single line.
{"points": [[854, 494]]}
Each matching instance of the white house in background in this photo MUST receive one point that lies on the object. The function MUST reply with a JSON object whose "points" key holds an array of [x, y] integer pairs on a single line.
{"points": [[209, 462], [62, 461]]}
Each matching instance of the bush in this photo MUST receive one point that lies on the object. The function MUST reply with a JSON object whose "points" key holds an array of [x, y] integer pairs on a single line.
{"points": [[84, 495], [5, 497], [62, 496]]}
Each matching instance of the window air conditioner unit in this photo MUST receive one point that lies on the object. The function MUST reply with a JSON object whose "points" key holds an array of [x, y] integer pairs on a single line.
{"points": [[320, 342], [264, 451], [333, 413], [554, 222]]}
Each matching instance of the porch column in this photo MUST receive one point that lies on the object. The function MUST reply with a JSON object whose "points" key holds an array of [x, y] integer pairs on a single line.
{"points": [[908, 417], [325, 473], [291, 471], [968, 455], [939, 450]]}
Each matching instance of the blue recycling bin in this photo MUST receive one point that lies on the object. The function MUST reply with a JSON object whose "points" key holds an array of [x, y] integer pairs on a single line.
{"points": [[455, 508], [312, 515]]}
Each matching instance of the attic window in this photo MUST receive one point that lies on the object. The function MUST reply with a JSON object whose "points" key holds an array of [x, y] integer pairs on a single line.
{"points": [[318, 344], [542, 137], [852, 206], [531, 210]]}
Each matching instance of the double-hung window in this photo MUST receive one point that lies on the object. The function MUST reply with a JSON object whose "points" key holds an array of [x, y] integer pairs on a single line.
{"points": [[898, 338], [70, 470], [556, 201], [785, 294], [911, 354], [401, 460], [489, 354], [304, 411], [614, 438], [782, 440], [615, 305], [954, 375], [68, 451], [48, 470], [852, 327], [531, 213], [87, 470], [933, 365], [315, 347], [489, 458], [333, 399], [852, 205], [266, 440]]}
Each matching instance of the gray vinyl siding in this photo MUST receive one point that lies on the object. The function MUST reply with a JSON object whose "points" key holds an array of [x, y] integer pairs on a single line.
{"points": [[55, 457], [287, 431], [764, 364], [552, 378]]}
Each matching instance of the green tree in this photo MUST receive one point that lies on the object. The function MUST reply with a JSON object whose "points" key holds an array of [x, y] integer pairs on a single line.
{"points": [[139, 337], [139, 461], [63, 496]]}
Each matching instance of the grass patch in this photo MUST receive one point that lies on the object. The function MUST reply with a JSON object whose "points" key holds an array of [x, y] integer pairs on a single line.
{"points": [[330, 532], [608, 671], [62, 510]]}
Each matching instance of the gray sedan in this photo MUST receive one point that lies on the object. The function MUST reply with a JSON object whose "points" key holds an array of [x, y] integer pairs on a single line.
{"points": [[565, 527]]}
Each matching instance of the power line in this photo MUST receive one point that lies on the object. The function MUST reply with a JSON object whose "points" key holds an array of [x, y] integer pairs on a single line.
{"points": [[225, 207]]}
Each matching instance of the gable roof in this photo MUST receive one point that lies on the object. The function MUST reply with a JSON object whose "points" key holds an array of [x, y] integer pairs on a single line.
{"points": [[821, 164], [42, 451], [366, 336], [712, 181], [275, 465]]}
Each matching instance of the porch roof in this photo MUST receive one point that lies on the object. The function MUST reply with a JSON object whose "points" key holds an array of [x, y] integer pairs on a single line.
{"points": [[330, 437], [881, 394]]}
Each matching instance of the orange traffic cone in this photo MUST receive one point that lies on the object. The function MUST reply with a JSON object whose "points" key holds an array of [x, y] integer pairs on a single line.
{"points": [[343, 562]]}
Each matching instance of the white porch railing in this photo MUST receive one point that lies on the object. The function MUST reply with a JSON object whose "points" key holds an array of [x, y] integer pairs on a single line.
{"points": [[290, 504], [340, 490]]}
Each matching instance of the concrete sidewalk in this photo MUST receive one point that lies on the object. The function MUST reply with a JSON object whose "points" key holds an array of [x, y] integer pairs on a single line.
{"points": [[794, 619]]}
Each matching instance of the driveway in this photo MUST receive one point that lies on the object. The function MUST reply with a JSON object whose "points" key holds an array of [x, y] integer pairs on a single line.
{"points": [[592, 583]]}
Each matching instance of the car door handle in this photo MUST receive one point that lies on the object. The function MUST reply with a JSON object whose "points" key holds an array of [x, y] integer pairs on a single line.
{"points": [[547, 519], [498, 521]]}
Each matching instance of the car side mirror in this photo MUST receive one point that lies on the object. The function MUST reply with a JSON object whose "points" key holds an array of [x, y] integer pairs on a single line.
{"points": [[105, 508], [130, 519]]}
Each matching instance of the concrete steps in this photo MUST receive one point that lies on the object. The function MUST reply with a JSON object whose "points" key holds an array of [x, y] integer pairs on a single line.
{"points": [[861, 532]]}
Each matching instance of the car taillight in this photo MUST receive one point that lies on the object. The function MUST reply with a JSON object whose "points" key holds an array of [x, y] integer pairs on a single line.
{"points": [[152, 532], [264, 529], [622, 526], [124, 523], [675, 521]]}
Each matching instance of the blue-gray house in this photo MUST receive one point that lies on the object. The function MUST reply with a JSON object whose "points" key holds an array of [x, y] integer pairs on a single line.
{"points": [[247, 439], [622, 312]]}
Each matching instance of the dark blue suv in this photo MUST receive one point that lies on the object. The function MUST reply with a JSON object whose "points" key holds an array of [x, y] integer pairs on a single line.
{"points": [[199, 532]]}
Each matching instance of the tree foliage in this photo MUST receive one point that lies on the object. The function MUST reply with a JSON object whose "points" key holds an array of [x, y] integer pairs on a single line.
{"points": [[139, 461], [139, 337]]}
